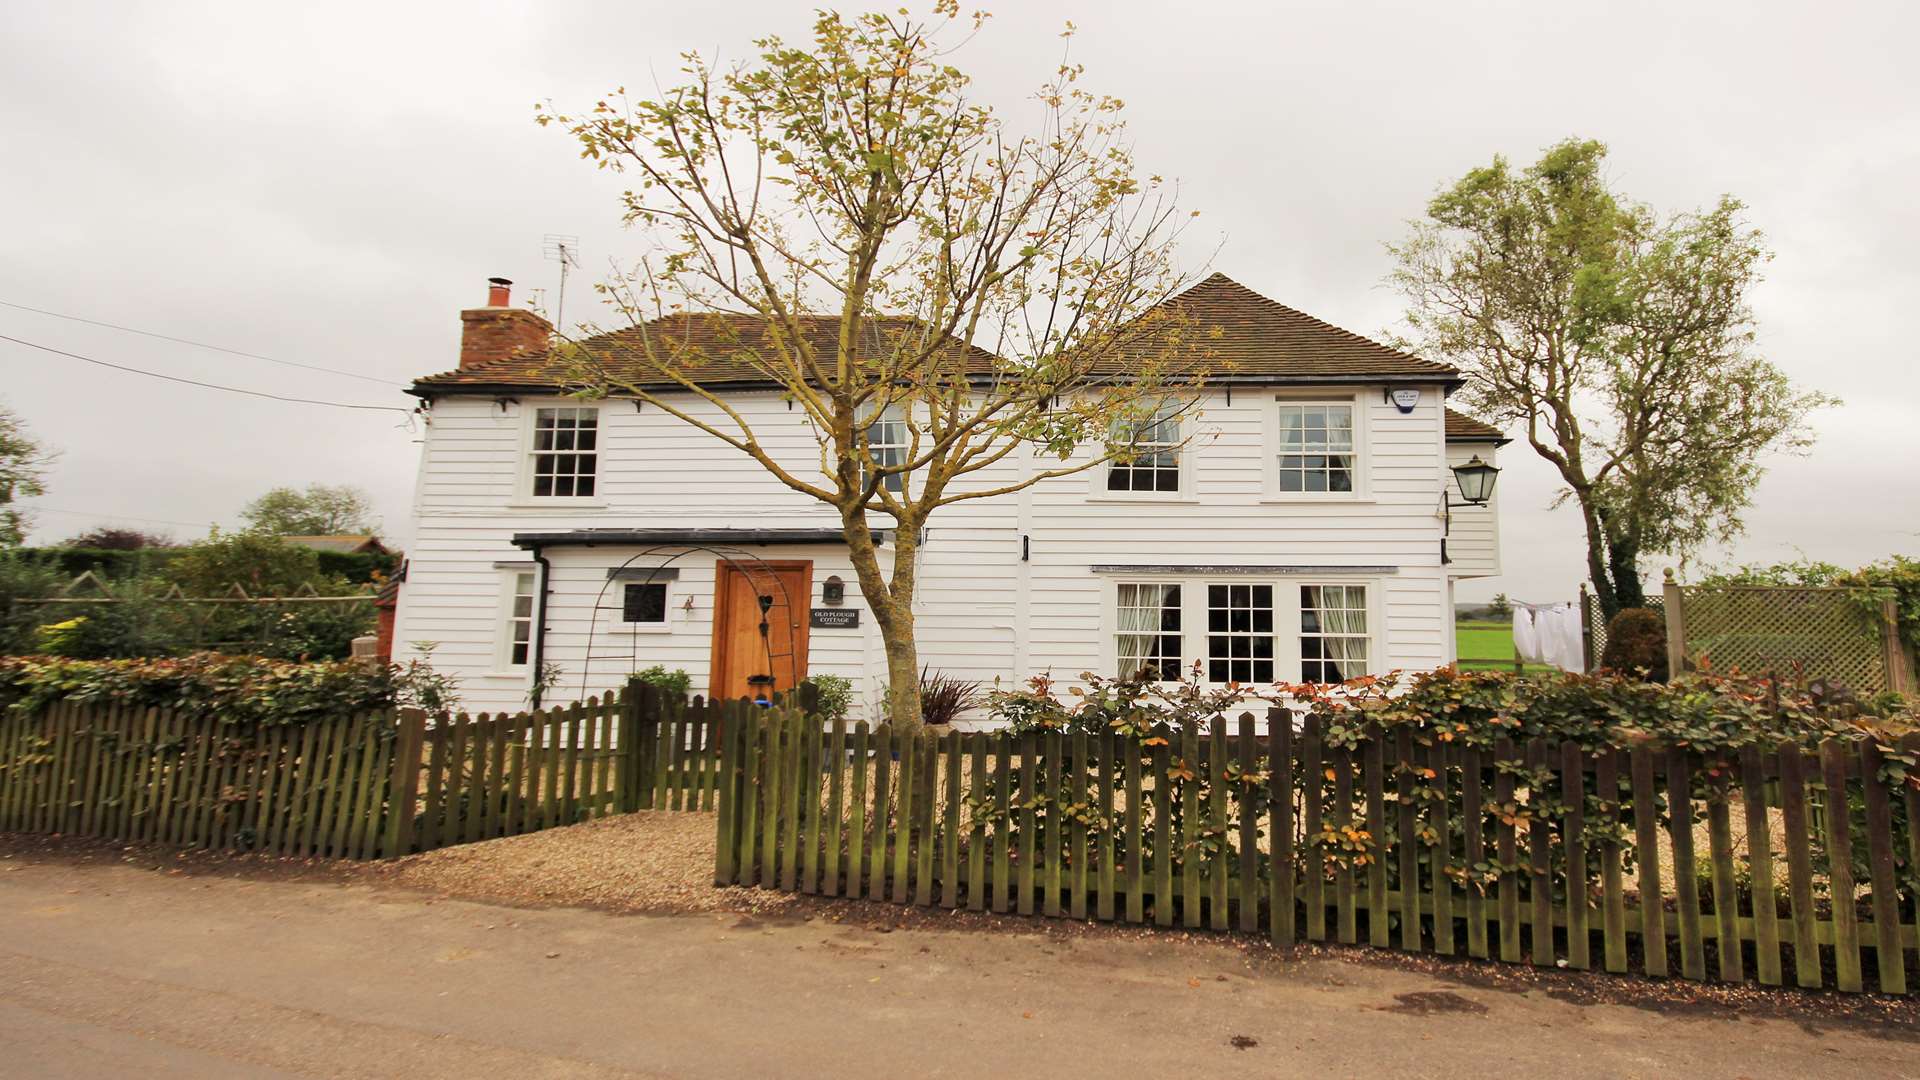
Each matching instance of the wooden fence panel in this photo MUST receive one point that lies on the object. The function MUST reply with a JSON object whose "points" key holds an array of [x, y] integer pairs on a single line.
{"points": [[1184, 829]]}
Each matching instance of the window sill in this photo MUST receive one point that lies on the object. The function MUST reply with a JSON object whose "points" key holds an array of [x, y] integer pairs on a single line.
{"points": [[557, 504], [1167, 498], [520, 676], [638, 631], [1318, 500]]}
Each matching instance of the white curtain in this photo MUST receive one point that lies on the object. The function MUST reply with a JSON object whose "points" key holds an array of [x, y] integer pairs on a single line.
{"points": [[1139, 608], [1343, 618]]}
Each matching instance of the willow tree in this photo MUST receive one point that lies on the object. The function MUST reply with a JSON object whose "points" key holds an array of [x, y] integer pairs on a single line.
{"points": [[1620, 342], [959, 311]]}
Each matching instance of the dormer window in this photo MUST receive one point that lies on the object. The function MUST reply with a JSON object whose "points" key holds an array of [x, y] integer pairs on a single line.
{"points": [[1152, 460], [564, 458]]}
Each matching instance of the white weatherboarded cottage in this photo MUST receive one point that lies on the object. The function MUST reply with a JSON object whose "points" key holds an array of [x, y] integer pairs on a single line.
{"points": [[1301, 534]]}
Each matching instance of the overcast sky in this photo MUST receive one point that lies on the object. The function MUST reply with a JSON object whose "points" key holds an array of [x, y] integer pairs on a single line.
{"points": [[330, 184]]}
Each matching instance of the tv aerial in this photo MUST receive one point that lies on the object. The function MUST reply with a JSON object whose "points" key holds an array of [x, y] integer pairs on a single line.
{"points": [[564, 250]]}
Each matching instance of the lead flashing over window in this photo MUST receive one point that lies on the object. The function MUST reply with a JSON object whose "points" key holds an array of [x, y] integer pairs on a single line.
{"points": [[643, 573], [1158, 568]]}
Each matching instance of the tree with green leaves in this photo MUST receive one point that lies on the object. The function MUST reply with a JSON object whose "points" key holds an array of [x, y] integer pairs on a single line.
{"points": [[1619, 341], [23, 467], [320, 510], [954, 309]]}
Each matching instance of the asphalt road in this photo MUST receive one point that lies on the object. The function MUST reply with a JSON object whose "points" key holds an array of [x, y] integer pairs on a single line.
{"points": [[115, 970]]}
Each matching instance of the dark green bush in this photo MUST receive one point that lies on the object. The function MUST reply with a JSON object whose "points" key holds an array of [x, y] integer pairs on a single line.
{"points": [[116, 565], [241, 690], [1637, 642]]}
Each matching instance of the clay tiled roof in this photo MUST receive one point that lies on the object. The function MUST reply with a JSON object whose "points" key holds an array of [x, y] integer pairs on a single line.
{"points": [[1464, 428], [1245, 335], [717, 346], [1239, 334]]}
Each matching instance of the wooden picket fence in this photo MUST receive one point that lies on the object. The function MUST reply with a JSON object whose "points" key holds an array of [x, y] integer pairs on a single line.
{"points": [[334, 786], [1442, 848]]}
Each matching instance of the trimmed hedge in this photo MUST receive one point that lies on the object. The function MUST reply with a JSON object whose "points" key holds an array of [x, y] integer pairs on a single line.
{"points": [[1707, 713], [114, 565], [242, 690]]}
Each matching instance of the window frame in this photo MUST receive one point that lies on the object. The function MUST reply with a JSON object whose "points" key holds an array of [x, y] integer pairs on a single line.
{"points": [[1114, 631], [1369, 607], [892, 414], [1288, 661], [1270, 435], [524, 474], [1180, 417], [505, 618], [664, 626]]}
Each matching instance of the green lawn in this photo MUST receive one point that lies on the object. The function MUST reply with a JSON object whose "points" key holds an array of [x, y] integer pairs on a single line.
{"points": [[1488, 645]]}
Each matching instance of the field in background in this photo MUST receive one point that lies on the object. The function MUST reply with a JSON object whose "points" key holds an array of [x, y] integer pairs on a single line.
{"points": [[1488, 646]]}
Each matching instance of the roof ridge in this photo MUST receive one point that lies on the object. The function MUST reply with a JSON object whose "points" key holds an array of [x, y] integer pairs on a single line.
{"points": [[1222, 279]]}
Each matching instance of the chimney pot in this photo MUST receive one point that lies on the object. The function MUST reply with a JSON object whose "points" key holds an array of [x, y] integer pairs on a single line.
{"points": [[497, 290]]}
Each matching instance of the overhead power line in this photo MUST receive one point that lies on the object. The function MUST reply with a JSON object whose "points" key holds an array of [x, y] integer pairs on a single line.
{"points": [[114, 517], [206, 385], [199, 344]]}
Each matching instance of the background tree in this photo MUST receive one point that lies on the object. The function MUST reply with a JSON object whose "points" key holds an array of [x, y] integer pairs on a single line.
{"points": [[23, 464], [320, 510], [113, 538], [1500, 607], [854, 176], [1619, 341]]}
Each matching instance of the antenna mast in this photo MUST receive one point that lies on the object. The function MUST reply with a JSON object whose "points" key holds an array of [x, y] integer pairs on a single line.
{"points": [[565, 251]]}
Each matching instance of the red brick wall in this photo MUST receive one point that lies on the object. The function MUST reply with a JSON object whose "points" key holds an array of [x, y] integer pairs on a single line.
{"points": [[497, 333]]}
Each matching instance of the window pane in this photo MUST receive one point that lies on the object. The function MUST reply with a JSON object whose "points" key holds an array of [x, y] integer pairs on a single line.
{"points": [[645, 602]]}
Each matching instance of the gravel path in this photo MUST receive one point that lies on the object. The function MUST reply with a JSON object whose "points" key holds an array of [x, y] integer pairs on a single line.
{"points": [[654, 861]]}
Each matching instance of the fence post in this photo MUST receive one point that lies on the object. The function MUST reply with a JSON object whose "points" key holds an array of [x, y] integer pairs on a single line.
{"points": [[1899, 675], [627, 749], [1676, 612], [403, 783], [1586, 628]]}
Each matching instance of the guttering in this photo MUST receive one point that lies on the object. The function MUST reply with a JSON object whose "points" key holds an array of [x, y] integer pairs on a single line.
{"points": [[535, 541], [1450, 380]]}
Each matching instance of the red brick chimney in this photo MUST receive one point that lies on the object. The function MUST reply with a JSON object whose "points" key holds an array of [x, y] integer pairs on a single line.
{"points": [[497, 331]]}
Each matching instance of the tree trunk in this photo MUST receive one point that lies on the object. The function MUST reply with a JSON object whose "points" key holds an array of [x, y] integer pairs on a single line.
{"points": [[891, 602], [1613, 562], [1623, 559], [1597, 567]]}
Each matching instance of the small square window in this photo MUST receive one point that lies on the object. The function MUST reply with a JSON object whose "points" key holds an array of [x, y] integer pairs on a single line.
{"points": [[644, 604]]}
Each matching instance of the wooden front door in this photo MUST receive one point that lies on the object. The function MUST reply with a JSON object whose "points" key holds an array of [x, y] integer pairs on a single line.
{"points": [[740, 652]]}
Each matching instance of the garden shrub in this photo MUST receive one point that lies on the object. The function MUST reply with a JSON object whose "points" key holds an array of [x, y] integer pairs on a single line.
{"points": [[240, 690], [833, 695], [674, 684], [1636, 643], [113, 564]]}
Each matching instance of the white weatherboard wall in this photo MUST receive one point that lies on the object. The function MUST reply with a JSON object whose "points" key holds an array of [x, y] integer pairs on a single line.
{"points": [[982, 612], [1473, 543]]}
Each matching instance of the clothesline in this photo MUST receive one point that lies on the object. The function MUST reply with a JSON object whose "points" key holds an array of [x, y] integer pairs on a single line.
{"points": [[1549, 634]]}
